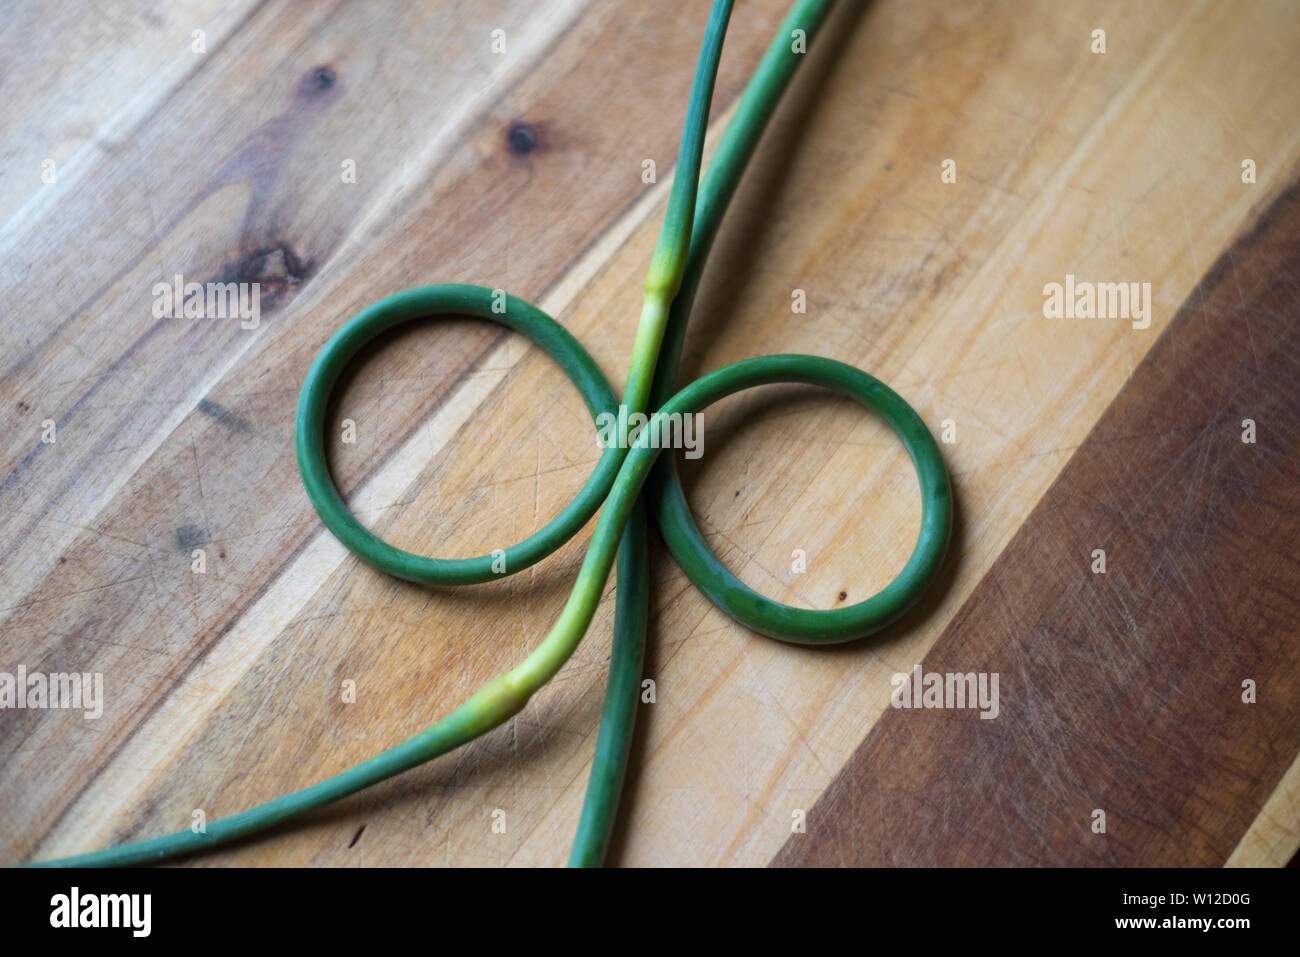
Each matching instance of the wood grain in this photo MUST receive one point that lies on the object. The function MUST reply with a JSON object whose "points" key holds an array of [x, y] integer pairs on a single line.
{"points": [[1124, 690], [224, 688]]}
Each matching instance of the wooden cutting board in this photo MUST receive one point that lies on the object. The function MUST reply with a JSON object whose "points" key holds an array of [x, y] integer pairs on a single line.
{"points": [[216, 141]]}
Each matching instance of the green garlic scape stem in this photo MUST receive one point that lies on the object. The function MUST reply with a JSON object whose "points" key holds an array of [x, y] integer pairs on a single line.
{"points": [[672, 280]]}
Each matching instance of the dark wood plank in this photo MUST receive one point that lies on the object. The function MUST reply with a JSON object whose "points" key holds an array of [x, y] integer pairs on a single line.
{"points": [[1122, 691]]}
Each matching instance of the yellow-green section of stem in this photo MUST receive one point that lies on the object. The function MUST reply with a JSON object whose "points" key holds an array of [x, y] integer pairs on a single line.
{"points": [[549, 657], [645, 351]]}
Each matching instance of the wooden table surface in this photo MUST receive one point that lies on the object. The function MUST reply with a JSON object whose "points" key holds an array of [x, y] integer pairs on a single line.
{"points": [[131, 157]]}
